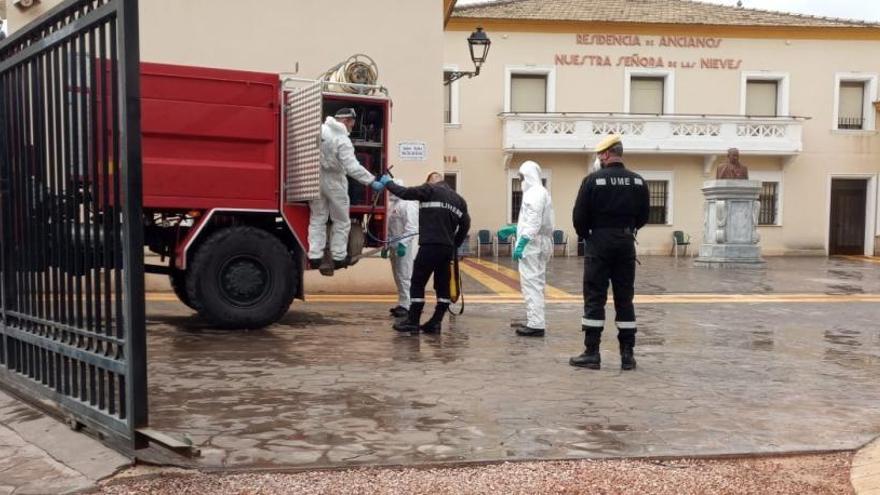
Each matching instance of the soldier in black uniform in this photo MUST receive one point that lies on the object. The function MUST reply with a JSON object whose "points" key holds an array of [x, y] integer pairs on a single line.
{"points": [[611, 206], [443, 225]]}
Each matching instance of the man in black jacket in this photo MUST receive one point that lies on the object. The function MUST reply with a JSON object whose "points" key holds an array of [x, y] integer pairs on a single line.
{"points": [[443, 225], [612, 204]]}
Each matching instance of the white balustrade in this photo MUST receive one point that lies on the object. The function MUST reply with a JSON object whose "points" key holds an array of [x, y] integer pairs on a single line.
{"points": [[671, 134]]}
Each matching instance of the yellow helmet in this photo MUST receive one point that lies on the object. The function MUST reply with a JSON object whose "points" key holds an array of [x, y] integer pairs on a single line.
{"points": [[607, 142]]}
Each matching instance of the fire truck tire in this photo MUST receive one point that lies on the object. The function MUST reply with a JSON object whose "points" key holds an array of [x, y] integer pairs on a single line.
{"points": [[242, 278], [178, 285]]}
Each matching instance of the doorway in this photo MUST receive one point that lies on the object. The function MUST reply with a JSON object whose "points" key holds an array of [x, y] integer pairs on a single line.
{"points": [[849, 200]]}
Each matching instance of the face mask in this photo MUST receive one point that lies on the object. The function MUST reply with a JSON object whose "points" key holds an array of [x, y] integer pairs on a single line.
{"points": [[597, 165]]}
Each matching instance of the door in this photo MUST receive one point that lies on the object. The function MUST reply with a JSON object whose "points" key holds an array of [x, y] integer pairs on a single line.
{"points": [[848, 209]]}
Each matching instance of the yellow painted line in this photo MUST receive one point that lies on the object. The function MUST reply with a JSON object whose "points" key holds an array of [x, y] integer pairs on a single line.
{"points": [[550, 290], [496, 286], [576, 299], [869, 259]]}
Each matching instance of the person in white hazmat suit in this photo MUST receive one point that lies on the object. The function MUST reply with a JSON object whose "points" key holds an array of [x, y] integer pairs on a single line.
{"points": [[403, 225], [337, 161], [534, 246]]}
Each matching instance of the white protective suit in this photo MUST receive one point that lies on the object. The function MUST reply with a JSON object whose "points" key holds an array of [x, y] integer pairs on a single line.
{"points": [[403, 221], [337, 162], [535, 222]]}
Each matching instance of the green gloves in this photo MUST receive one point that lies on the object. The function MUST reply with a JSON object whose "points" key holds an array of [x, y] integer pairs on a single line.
{"points": [[400, 251], [507, 231], [520, 247]]}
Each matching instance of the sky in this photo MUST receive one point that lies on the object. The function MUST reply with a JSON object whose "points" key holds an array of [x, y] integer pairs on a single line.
{"points": [[868, 10]]}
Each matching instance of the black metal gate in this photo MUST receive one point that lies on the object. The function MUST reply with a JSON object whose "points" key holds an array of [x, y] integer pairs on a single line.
{"points": [[72, 327]]}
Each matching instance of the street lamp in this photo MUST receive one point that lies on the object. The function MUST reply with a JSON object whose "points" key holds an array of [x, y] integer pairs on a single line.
{"points": [[478, 43]]}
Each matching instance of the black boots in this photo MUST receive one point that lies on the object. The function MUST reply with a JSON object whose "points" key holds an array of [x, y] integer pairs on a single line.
{"points": [[434, 325], [590, 357], [398, 312], [411, 323], [530, 332], [627, 341]]}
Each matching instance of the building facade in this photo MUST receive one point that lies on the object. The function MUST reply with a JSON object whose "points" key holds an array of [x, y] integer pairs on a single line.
{"points": [[681, 82], [305, 38]]}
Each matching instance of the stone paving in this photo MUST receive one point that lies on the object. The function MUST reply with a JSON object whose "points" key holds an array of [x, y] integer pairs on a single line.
{"points": [[333, 385], [865, 474], [41, 456]]}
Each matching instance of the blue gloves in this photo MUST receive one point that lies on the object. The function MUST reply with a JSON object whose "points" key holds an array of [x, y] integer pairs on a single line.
{"points": [[507, 231], [401, 250], [520, 247], [377, 186], [385, 179], [384, 253]]}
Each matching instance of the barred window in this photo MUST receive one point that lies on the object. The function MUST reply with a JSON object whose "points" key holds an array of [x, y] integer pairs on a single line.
{"points": [[659, 201], [516, 197], [769, 201]]}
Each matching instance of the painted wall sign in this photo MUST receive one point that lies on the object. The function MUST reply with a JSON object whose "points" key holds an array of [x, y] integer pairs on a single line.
{"points": [[647, 60], [636, 40], [413, 151]]}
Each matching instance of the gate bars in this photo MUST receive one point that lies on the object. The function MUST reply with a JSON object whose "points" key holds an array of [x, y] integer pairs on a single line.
{"points": [[72, 326]]}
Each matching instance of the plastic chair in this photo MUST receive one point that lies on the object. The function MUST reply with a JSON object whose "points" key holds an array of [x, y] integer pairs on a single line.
{"points": [[504, 242], [680, 239], [465, 249], [484, 238], [560, 239]]}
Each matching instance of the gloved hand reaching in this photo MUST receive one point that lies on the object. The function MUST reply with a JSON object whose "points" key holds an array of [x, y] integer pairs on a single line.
{"points": [[385, 179], [377, 186], [520, 247], [401, 250], [507, 231]]}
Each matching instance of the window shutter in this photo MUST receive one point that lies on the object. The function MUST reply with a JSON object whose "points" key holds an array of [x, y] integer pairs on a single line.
{"points": [[851, 108], [761, 98], [646, 95], [528, 93]]}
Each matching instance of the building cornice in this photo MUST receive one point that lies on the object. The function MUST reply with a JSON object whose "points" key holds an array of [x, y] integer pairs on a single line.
{"points": [[853, 33]]}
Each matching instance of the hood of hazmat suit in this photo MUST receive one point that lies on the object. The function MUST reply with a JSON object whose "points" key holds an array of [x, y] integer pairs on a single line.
{"points": [[403, 219], [536, 212]]}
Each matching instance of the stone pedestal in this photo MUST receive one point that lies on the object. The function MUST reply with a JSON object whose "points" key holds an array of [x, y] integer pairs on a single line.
{"points": [[730, 223]]}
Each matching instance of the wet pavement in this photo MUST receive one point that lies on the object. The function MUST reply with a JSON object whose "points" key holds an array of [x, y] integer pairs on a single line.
{"points": [[333, 385]]}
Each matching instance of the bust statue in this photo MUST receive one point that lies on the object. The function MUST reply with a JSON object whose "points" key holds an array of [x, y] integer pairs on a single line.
{"points": [[732, 169]]}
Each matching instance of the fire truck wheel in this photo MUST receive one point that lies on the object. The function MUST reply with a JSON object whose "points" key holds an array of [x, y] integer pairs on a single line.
{"points": [[242, 277], [178, 284]]}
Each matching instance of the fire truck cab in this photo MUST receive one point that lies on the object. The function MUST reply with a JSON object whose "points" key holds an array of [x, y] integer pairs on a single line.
{"points": [[230, 162]]}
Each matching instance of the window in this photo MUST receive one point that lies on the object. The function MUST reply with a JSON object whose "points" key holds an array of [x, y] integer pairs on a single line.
{"points": [[528, 93], [649, 91], [771, 196], [447, 104], [530, 88], [516, 196], [764, 94], [769, 201], [646, 95], [761, 98], [852, 102], [451, 179], [450, 99], [659, 202], [855, 94]]}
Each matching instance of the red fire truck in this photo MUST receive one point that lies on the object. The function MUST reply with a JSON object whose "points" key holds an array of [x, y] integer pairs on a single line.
{"points": [[230, 161]]}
